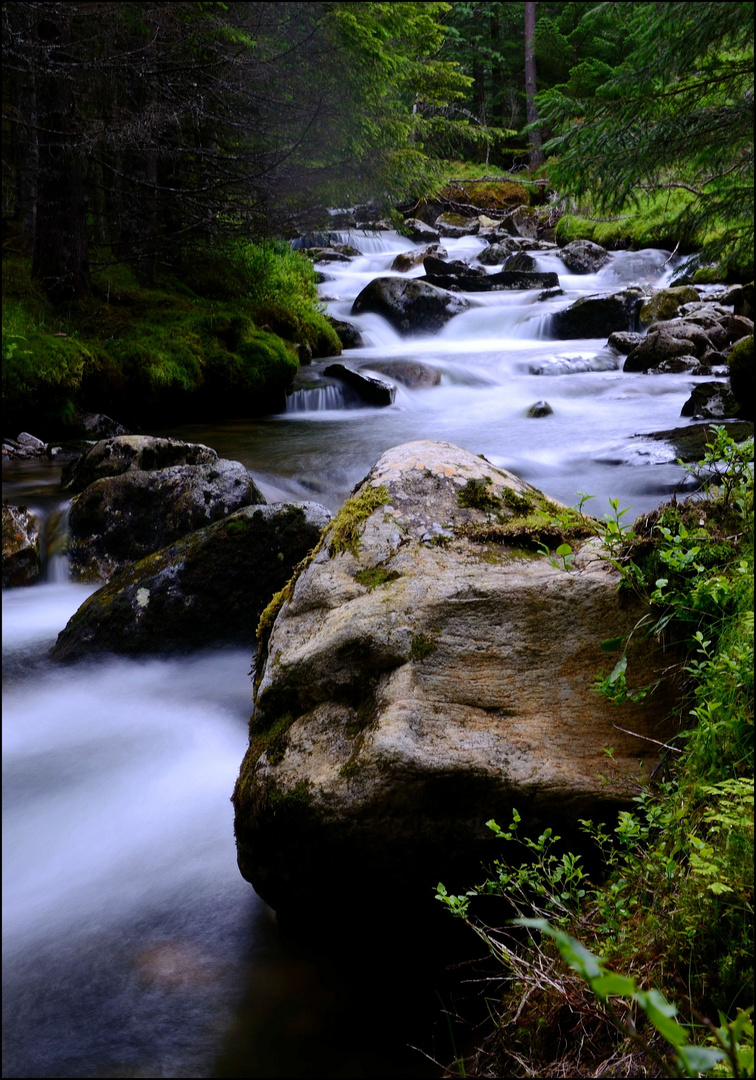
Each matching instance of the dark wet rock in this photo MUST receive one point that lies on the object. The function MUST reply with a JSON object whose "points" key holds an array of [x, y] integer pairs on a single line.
{"points": [[710, 401], [371, 390], [690, 442], [665, 341], [549, 294], [411, 306], [584, 257], [411, 373], [327, 255], [736, 328], [24, 447], [304, 353], [405, 692], [97, 425], [69, 451], [742, 301], [348, 334], [408, 260], [521, 262], [522, 221], [21, 558], [498, 281], [498, 252], [120, 519], [624, 341], [681, 365], [420, 231], [541, 408], [740, 362], [111, 457], [457, 268], [209, 587], [665, 303], [597, 316]]}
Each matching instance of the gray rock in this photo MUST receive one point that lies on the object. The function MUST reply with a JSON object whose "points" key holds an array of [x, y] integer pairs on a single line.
{"points": [[497, 253], [584, 257], [710, 401], [455, 225], [420, 232], [411, 373], [427, 671], [348, 334], [407, 260], [521, 262], [120, 519], [624, 342], [541, 408], [690, 442], [597, 316], [209, 587], [21, 558], [411, 306], [111, 457], [372, 391], [678, 337]]}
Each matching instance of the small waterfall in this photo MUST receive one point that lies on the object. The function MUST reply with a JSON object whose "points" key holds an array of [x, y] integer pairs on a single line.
{"points": [[54, 540], [321, 399]]}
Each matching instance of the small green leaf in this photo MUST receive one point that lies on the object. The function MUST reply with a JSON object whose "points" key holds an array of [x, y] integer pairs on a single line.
{"points": [[611, 644], [612, 983], [619, 669], [698, 1059]]}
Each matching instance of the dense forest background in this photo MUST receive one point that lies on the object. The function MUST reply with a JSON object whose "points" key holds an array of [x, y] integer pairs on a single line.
{"points": [[158, 156], [134, 131]]}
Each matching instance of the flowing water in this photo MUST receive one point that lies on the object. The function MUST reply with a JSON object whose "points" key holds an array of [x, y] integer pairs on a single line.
{"points": [[132, 947]]}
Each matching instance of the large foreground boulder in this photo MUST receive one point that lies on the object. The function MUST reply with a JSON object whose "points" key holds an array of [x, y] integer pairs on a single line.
{"points": [[429, 670], [209, 587], [410, 306]]}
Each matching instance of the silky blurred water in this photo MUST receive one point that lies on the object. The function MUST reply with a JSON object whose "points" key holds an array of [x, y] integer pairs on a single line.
{"points": [[132, 946]]}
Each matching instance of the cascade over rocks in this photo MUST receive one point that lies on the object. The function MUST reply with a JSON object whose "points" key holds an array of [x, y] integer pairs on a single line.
{"points": [[135, 500], [21, 558], [209, 587], [411, 306], [428, 670]]}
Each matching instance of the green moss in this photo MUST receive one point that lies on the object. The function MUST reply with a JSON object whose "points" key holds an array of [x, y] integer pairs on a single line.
{"points": [[214, 338], [520, 504], [375, 576], [237, 525], [421, 647], [300, 795], [475, 495], [345, 529]]}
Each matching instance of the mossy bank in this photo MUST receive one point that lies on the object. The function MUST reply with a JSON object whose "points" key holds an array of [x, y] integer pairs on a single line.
{"points": [[216, 336]]}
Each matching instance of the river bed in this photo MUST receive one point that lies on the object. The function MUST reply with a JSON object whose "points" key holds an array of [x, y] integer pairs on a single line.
{"points": [[132, 946]]}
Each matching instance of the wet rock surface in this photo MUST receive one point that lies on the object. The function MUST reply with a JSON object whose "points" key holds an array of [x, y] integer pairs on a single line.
{"points": [[209, 587], [21, 555], [426, 671], [411, 306]]}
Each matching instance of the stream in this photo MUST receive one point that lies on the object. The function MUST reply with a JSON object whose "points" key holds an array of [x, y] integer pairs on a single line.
{"points": [[132, 946]]}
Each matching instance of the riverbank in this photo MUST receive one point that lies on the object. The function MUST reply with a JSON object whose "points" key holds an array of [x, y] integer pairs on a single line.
{"points": [[221, 335]]}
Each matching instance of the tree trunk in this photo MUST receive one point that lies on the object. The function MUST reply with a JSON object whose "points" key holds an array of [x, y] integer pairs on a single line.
{"points": [[534, 137], [59, 261]]}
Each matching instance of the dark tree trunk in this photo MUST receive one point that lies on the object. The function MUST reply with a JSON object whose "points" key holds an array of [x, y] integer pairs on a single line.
{"points": [[59, 261], [534, 137]]}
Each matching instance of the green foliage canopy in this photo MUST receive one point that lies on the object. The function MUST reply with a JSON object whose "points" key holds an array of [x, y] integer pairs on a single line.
{"points": [[677, 113]]}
